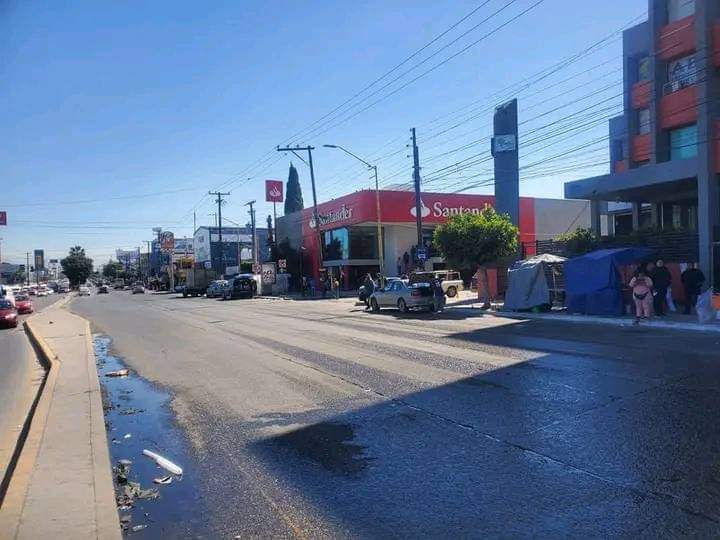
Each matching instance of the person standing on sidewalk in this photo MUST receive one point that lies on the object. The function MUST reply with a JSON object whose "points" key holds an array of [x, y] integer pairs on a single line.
{"points": [[692, 280], [438, 295], [661, 279], [369, 285], [641, 286]]}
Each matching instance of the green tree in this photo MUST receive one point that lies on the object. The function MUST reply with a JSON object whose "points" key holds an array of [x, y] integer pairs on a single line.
{"points": [[77, 267], [468, 241], [113, 270], [579, 242], [293, 192]]}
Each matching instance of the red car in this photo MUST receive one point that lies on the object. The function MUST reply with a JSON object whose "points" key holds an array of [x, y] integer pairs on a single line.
{"points": [[8, 315], [23, 304]]}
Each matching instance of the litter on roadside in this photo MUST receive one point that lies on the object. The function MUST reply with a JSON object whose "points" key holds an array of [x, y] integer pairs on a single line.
{"points": [[164, 462], [127, 436], [165, 480], [118, 373], [137, 528], [131, 410]]}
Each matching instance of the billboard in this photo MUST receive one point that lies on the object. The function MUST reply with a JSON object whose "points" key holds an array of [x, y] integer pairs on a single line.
{"points": [[39, 259], [3, 218], [128, 257], [167, 241], [274, 191]]}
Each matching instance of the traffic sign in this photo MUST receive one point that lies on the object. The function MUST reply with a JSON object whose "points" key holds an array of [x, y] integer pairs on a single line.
{"points": [[421, 254], [268, 273], [282, 264]]}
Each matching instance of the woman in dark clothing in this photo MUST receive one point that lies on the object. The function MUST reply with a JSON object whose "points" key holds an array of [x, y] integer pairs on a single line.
{"points": [[692, 280]]}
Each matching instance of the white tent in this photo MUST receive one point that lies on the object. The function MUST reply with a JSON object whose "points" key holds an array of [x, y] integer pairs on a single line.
{"points": [[528, 285]]}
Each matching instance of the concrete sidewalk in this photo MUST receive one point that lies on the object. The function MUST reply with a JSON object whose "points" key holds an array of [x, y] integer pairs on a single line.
{"points": [[62, 484]]}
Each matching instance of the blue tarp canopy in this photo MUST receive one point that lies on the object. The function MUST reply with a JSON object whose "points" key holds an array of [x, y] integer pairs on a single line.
{"points": [[592, 281]]}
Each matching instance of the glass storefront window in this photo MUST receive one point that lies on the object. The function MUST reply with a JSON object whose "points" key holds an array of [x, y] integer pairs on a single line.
{"points": [[363, 243], [683, 142], [336, 245]]}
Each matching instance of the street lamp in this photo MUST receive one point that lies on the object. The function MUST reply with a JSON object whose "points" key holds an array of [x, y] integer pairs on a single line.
{"points": [[381, 256]]}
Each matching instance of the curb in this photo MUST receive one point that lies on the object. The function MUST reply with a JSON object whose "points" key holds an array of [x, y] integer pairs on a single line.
{"points": [[597, 321], [28, 445]]}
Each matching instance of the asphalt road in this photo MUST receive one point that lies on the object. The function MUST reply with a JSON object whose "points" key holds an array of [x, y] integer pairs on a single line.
{"points": [[316, 419], [20, 374]]}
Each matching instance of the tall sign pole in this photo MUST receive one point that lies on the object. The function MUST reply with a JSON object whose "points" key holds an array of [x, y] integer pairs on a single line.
{"points": [[504, 148]]}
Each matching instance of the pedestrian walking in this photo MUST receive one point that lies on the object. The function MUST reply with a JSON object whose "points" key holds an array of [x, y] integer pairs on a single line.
{"points": [[641, 286], [662, 279], [438, 295], [692, 279], [369, 285]]}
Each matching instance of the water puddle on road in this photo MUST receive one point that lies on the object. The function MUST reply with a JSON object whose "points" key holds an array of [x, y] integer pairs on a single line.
{"points": [[137, 417]]}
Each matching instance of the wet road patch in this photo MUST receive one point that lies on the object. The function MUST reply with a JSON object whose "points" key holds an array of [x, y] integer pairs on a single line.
{"points": [[330, 445], [153, 502]]}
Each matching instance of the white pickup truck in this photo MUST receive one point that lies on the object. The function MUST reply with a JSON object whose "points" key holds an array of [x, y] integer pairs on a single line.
{"points": [[450, 280]]}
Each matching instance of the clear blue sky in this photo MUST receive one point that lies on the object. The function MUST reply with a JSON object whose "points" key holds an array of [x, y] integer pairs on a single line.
{"points": [[141, 107]]}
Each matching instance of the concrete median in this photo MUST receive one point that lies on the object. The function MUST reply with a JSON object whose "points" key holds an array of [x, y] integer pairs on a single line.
{"points": [[62, 484]]}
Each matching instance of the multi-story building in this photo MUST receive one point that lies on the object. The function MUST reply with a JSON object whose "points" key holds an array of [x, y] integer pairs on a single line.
{"points": [[664, 151], [236, 246]]}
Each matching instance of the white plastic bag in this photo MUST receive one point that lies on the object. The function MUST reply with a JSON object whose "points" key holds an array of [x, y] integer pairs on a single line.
{"points": [[705, 309], [670, 301]]}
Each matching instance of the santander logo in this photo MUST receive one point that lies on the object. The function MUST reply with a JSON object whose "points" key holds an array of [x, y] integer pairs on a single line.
{"points": [[424, 210], [274, 192], [341, 214], [439, 210]]}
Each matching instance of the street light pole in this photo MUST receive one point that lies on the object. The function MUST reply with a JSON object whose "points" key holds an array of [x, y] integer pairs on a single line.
{"points": [[381, 255], [316, 216]]}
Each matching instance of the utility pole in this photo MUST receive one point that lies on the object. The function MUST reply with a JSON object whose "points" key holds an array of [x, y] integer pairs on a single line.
{"points": [[194, 223], [316, 216], [252, 229], [219, 201], [418, 199], [27, 267]]}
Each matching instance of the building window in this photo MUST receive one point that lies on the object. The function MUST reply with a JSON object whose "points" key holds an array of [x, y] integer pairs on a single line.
{"points": [[683, 142], [643, 73], [643, 121], [336, 245], [679, 9]]}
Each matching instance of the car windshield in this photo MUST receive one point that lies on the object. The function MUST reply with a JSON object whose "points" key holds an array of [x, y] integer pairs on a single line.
{"points": [[21, 298], [5, 304]]}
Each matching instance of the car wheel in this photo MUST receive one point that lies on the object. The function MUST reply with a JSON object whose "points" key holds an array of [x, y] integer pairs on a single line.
{"points": [[184, 294], [402, 306], [374, 305], [451, 292]]}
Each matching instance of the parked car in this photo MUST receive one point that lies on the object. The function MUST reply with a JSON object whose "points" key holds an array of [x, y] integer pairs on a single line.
{"points": [[241, 286], [103, 289], [450, 280], [43, 291], [8, 314], [84, 290], [23, 304], [216, 288], [404, 296], [138, 288], [362, 295]]}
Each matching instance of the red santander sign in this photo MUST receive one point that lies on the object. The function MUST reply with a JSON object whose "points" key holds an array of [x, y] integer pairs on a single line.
{"points": [[3, 218], [274, 191]]}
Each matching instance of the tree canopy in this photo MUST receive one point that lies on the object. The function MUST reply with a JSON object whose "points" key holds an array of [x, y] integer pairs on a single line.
{"points": [[293, 192], [467, 241], [113, 269], [579, 242], [77, 267]]}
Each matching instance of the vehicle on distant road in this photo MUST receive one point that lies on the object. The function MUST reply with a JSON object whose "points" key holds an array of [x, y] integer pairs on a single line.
{"points": [[240, 286], [119, 284], [84, 290], [216, 288], [138, 288], [403, 296], [103, 289], [23, 304], [197, 281], [8, 314], [450, 280], [43, 291]]}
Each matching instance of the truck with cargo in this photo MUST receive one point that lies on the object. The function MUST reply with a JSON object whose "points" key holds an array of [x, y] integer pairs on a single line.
{"points": [[197, 281]]}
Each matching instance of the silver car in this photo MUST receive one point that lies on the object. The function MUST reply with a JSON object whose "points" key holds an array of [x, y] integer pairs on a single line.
{"points": [[217, 288], [403, 296]]}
